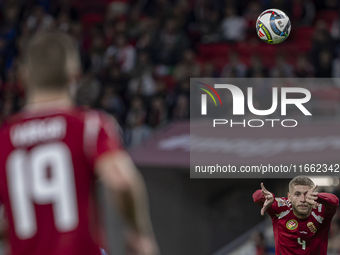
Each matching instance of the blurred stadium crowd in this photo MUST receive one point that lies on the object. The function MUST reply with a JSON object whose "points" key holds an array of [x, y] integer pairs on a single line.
{"points": [[137, 56]]}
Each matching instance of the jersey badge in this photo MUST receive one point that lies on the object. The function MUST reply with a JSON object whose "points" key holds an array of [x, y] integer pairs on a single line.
{"points": [[311, 227], [280, 202], [292, 224]]}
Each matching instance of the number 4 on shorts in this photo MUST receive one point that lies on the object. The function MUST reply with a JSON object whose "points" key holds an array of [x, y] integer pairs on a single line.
{"points": [[303, 243]]}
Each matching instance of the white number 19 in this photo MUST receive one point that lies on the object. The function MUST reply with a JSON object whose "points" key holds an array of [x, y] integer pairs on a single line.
{"points": [[28, 183]]}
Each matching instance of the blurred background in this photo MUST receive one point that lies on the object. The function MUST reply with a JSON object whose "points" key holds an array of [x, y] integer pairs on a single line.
{"points": [[137, 57]]}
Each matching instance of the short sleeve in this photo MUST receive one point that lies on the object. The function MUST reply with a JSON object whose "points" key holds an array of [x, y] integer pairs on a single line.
{"points": [[102, 134]]}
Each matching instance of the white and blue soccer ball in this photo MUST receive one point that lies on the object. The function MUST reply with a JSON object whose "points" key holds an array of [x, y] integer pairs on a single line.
{"points": [[273, 26]]}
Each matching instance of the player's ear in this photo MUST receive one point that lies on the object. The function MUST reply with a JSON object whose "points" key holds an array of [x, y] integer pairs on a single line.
{"points": [[289, 198]]}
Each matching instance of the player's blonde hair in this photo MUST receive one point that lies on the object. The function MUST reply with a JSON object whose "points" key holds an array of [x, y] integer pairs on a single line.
{"points": [[301, 180], [50, 58]]}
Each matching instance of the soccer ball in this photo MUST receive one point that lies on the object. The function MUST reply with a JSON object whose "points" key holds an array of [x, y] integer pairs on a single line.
{"points": [[273, 26]]}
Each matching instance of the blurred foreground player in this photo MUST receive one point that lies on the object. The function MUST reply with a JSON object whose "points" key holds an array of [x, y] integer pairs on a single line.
{"points": [[50, 155], [302, 221]]}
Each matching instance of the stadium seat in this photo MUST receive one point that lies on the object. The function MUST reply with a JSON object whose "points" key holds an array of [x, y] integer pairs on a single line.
{"points": [[210, 51], [266, 53], [328, 16], [219, 63], [304, 34], [169, 82], [91, 7]]}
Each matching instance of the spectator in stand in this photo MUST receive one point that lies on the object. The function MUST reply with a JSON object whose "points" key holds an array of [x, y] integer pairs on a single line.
{"points": [[210, 27], [123, 52], [158, 113], [180, 13], [181, 108], [136, 111], [66, 7], [235, 67], [96, 53], [76, 31], [233, 26], [327, 4], [281, 69], [142, 86], [143, 66], [88, 91], [187, 68], [303, 67], [39, 20], [260, 247], [142, 82], [183, 87], [252, 12], [64, 22], [336, 67], [209, 70], [149, 28], [161, 90], [256, 67], [112, 103], [335, 30], [303, 12], [137, 131], [283, 5], [324, 64], [322, 40], [159, 9], [169, 44], [134, 24], [114, 75]]}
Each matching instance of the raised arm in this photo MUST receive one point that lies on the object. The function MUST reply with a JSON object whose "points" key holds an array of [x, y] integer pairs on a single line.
{"points": [[330, 202], [119, 174], [264, 198]]}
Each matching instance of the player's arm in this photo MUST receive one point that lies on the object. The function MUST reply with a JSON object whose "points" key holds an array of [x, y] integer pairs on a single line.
{"points": [[265, 199], [118, 173], [329, 201]]}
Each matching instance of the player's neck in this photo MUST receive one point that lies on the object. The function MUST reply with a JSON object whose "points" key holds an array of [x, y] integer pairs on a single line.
{"points": [[299, 216], [39, 100]]}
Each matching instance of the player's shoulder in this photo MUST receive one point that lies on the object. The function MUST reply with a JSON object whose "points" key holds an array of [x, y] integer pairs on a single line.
{"points": [[97, 116], [282, 202], [319, 208], [76, 113], [73, 116], [283, 208]]}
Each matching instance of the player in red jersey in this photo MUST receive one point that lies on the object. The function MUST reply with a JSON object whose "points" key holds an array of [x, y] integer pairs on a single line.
{"points": [[302, 221], [50, 156]]}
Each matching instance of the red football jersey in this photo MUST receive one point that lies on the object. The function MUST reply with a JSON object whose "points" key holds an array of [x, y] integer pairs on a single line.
{"points": [[300, 236], [47, 174]]}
